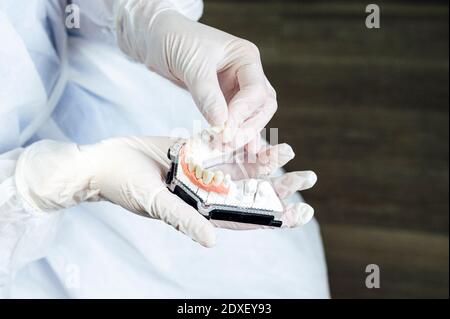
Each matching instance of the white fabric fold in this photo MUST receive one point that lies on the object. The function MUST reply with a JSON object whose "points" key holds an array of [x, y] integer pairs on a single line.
{"points": [[25, 232]]}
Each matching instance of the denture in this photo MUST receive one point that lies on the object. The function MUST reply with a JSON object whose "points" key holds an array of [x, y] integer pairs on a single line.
{"points": [[202, 178]]}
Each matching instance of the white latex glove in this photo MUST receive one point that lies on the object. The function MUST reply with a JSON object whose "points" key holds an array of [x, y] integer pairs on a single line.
{"points": [[131, 172], [262, 165], [222, 72]]}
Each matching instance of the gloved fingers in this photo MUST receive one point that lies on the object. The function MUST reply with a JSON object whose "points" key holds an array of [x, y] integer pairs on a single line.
{"points": [[209, 98], [272, 91], [250, 76], [254, 146], [297, 214], [228, 83], [289, 183], [243, 132], [266, 161], [241, 136], [261, 116], [252, 95], [272, 157], [175, 212]]}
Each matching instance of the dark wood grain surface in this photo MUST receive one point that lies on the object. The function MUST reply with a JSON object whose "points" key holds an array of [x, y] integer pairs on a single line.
{"points": [[368, 111]]}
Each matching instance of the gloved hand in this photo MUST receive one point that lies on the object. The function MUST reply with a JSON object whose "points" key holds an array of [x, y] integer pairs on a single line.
{"points": [[130, 172], [222, 72], [262, 165]]}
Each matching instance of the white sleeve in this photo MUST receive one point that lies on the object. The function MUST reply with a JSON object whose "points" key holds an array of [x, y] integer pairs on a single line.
{"points": [[97, 18], [25, 232], [193, 9], [102, 12]]}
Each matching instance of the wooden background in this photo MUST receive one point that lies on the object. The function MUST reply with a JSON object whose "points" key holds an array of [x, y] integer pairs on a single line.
{"points": [[368, 111]]}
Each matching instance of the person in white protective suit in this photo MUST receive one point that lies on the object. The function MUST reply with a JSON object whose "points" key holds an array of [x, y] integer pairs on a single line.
{"points": [[78, 109]]}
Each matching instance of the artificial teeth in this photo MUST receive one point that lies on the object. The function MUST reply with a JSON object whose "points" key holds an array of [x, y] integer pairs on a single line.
{"points": [[190, 163], [207, 176], [218, 178], [198, 171]]}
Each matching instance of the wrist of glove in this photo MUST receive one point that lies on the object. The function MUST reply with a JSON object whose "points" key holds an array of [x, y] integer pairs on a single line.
{"points": [[222, 72], [134, 22], [52, 175]]}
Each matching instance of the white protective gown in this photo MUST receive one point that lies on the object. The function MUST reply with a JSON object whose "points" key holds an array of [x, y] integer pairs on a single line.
{"points": [[76, 85]]}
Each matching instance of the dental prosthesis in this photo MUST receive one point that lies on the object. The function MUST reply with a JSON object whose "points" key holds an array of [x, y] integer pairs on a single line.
{"points": [[214, 194]]}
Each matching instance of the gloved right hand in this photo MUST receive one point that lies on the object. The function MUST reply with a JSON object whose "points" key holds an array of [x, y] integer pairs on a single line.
{"points": [[223, 73]]}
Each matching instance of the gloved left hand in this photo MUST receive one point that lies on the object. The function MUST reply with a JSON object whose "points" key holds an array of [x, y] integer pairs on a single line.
{"points": [[131, 172], [223, 73]]}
